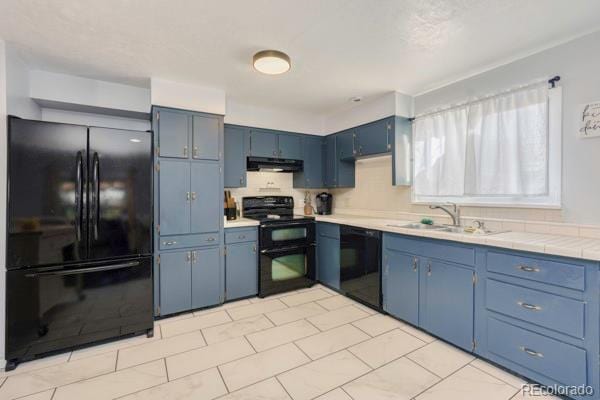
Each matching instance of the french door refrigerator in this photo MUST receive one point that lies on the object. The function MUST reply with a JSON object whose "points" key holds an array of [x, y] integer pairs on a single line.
{"points": [[79, 236]]}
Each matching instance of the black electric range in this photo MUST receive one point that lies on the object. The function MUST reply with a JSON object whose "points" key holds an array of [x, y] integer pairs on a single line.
{"points": [[286, 242]]}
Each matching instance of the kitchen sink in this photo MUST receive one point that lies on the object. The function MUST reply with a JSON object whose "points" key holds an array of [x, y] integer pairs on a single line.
{"points": [[448, 228], [417, 226]]}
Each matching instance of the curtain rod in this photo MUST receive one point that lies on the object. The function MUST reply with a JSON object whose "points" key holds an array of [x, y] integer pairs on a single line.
{"points": [[551, 82]]}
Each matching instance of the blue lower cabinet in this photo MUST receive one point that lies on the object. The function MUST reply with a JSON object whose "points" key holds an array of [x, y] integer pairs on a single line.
{"points": [[241, 270], [175, 288], [401, 285], [328, 254], [206, 277], [447, 299]]}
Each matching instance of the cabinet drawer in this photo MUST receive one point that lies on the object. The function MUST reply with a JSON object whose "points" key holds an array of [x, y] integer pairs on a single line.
{"points": [[559, 361], [240, 235], [182, 241], [540, 308], [537, 269], [329, 230], [452, 252]]}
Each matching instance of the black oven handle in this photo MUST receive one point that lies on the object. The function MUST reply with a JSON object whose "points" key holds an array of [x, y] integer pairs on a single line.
{"points": [[85, 270], [286, 249]]}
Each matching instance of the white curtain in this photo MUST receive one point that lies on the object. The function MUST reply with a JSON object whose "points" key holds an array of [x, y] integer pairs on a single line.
{"points": [[439, 153], [507, 145]]}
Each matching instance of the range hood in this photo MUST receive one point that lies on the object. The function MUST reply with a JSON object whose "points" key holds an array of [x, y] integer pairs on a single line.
{"points": [[273, 164]]}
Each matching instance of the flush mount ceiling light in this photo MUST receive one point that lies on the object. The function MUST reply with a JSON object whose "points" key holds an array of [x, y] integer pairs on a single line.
{"points": [[271, 62]]}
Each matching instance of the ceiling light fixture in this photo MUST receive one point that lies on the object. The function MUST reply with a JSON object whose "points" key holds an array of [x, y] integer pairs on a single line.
{"points": [[271, 62]]}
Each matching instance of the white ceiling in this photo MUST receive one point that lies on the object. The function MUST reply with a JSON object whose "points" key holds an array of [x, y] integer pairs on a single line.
{"points": [[339, 48]]}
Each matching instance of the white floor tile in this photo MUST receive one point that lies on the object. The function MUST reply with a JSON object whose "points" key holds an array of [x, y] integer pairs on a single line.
{"points": [[207, 357], [257, 367], [336, 394], [386, 347], [331, 341], [321, 376], [335, 318], [269, 389], [419, 334], [255, 309], [194, 323], [47, 395], [115, 384], [305, 297], [501, 374], [57, 375], [282, 334], [400, 379], [377, 324], [159, 349], [38, 364], [168, 320], [335, 302], [292, 314], [115, 345], [441, 358], [226, 306], [237, 328], [204, 385], [469, 383]]}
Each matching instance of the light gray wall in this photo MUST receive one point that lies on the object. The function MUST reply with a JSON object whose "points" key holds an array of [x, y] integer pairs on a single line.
{"points": [[17, 88], [578, 64], [91, 119]]}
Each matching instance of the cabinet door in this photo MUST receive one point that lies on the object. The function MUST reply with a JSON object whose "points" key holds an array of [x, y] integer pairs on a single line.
{"points": [[447, 301], [174, 197], [401, 286], [241, 270], [175, 287], [312, 173], [173, 134], [374, 138], [207, 286], [234, 157], [290, 147], [206, 203], [329, 162], [345, 145], [263, 144], [205, 138], [328, 266]]}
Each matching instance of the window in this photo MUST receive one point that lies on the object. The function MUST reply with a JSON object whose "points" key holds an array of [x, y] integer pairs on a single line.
{"points": [[502, 150]]}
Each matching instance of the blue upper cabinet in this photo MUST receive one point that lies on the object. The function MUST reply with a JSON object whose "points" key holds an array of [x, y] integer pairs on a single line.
{"points": [[263, 144], [345, 145], [173, 133], [206, 207], [311, 177], [206, 137], [344, 167], [374, 138], [329, 162], [290, 146], [235, 156]]}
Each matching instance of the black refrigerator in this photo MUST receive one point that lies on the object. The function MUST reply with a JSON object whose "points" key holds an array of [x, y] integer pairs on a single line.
{"points": [[79, 236]]}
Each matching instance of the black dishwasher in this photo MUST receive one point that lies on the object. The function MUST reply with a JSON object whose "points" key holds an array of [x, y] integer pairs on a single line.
{"points": [[360, 265]]}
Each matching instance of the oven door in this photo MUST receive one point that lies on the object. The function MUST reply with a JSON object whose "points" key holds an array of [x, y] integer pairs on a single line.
{"points": [[287, 235], [286, 268]]}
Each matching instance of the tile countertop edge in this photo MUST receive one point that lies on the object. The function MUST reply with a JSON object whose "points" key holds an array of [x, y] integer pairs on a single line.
{"points": [[522, 241], [240, 223]]}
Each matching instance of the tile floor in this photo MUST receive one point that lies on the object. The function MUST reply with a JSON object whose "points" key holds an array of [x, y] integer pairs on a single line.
{"points": [[308, 344]]}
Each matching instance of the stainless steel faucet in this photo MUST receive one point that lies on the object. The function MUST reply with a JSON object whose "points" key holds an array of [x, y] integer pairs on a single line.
{"points": [[454, 213]]}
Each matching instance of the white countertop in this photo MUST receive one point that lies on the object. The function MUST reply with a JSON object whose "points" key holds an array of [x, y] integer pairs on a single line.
{"points": [[241, 223], [559, 245]]}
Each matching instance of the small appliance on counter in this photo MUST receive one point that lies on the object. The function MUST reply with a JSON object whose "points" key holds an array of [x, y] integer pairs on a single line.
{"points": [[230, 207], [324, 203]]}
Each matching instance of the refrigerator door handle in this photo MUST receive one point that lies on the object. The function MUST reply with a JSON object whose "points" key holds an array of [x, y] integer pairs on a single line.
{"points": [[79, 196], [95, 194], [85, 270]]}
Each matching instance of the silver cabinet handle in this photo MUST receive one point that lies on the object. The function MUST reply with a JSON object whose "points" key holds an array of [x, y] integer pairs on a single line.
{"points": [[429, 268], [188, 256], [211, 239], [414, 267], [193, 195], [195, 152], [241, 181], [274, 152], [170, 243], [187, 196], [254, 249], [194, 257], [185, 150], [527, 268], [532, 353], [528, 306], [242, 237]]}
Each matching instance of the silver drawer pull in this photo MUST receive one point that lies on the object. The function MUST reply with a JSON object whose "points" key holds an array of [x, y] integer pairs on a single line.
{"points": [[242, 237], [414, 266], [212, 239], [532, 353], [170, 243], [527, 268], [193, 195], [528, 306]]}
